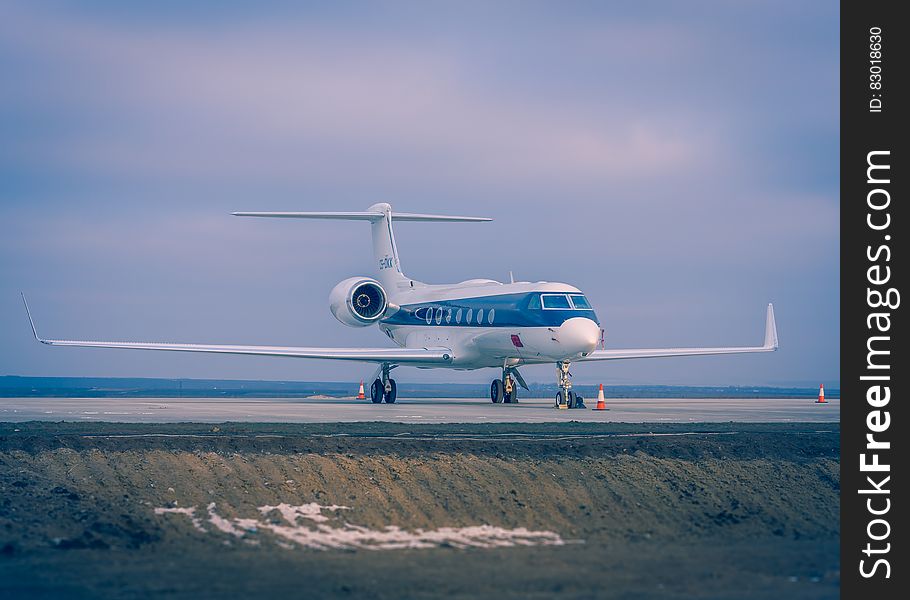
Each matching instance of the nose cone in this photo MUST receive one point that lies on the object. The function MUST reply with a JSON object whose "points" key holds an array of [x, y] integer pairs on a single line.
{"points": [[579, 335]]}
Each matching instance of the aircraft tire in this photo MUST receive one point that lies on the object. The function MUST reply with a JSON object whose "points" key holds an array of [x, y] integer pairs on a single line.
{"points": [[376, 392], [393, 393], [496, 391], [511, 398], [570, 403]]}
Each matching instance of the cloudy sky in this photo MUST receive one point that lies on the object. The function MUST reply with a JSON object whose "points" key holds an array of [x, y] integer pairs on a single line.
{"points": [[677, 161]]}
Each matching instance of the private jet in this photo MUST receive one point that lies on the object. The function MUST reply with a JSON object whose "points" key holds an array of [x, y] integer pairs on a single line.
{"points": [[475, 324]]}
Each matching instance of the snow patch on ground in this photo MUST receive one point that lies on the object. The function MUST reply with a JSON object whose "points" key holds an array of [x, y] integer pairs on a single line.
{"points": [[189, 512], [311, 511], [305, 526], [221, 524]]}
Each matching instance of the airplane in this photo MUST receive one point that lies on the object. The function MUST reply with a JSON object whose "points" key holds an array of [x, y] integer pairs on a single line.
{"points": [[474, 324]]}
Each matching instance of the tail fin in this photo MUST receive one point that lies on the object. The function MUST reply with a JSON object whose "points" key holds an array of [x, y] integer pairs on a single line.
{"points": [[380, 217], [385, 252]]}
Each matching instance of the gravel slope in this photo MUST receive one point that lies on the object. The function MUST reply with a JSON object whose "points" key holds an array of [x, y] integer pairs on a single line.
{"points": [[738, 510]]}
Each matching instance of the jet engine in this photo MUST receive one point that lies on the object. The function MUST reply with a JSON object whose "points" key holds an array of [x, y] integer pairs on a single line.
{"points": [[358, 301]]}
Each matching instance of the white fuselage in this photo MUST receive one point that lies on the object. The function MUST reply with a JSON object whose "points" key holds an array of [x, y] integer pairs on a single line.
{"points": [[490, 324]]}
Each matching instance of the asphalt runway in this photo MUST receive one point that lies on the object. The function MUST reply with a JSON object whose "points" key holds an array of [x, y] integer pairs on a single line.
{"points": [[414, 410]]}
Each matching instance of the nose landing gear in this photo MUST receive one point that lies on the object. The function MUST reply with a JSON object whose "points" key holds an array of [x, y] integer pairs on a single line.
{"points": [[565, 397]]}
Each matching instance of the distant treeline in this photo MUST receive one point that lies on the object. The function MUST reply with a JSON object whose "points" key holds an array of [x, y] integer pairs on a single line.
{"points": [[113, 387]]}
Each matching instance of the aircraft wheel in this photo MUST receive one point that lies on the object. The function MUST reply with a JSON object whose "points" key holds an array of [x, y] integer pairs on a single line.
{"points": [[496, 391], [376, 392], [511, 397], [572, 399], [393, 393]]}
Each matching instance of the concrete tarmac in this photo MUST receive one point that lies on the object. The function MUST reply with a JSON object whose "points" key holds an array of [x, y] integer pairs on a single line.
{"points": [[414, 410]]}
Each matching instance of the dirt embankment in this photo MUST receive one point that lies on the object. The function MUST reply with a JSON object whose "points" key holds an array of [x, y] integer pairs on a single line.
{"points": [[97, 489], [98, 499]]}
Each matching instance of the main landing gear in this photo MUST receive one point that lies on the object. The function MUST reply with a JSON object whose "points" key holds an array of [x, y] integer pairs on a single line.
{"points": [[505, 389], [565, 397], [384, 389]]}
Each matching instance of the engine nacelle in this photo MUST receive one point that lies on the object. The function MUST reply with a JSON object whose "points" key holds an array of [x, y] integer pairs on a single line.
{"points": [[358, 301]]}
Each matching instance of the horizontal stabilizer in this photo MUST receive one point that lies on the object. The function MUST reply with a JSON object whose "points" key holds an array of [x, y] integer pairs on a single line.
{"points": [[364, 216], [343, 216], [397, 216]]}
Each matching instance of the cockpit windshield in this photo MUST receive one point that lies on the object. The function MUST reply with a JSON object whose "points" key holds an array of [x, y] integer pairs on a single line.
{"points": [[558, 301], [580, 302]]}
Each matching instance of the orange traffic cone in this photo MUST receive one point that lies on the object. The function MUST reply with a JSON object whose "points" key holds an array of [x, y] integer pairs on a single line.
{"points": [[821, 395], [360, 395], [601, 404]]}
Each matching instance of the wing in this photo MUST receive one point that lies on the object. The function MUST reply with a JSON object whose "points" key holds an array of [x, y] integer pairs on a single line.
{"points": [[770, 345], [401, 356]]}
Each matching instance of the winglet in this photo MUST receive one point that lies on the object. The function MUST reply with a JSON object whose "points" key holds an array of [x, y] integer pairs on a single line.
{"points": [[30, 321], [770, 330]]}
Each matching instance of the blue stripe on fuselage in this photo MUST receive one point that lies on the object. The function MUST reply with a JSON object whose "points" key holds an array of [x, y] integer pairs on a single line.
{"points": [[511, 311]]}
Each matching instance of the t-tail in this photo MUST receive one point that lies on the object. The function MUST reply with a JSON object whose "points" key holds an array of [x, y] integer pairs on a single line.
{"points": [[380, 217]]}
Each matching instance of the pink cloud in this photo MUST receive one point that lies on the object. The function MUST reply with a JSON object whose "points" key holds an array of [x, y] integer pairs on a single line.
{"points": [[288, 102]]}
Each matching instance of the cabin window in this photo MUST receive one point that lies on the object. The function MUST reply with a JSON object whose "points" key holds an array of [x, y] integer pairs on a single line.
{"points": [[448, 316], [458, 316], [438, 316], [470, 314], [580, 302], [480, 317], [555, 301], [535, 302], [491, 316], [429, 315]]}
